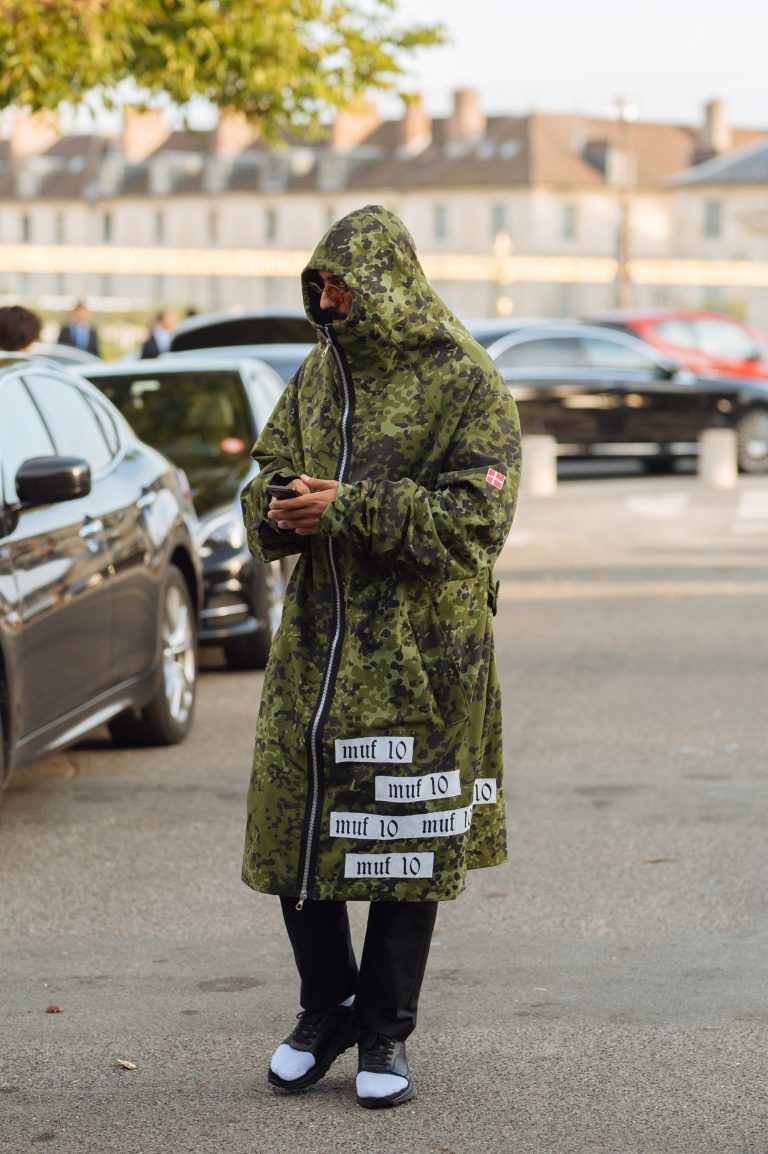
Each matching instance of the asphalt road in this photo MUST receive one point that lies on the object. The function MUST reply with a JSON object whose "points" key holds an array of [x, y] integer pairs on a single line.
{"points": [[602, 993]]}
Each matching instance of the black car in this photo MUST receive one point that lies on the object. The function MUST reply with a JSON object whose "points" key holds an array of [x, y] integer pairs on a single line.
{"points": [[204, 412], [602, 392], [240, 326], [99, 576]]}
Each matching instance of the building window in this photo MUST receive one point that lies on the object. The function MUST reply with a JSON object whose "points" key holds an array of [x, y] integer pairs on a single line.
{"points": [[213, 227], [568, 222], [106, 284], [26, 229], [270, 224], [713, 219], [441, 222], [159, 227], [499, 220], [106, 228], [58, 228]]}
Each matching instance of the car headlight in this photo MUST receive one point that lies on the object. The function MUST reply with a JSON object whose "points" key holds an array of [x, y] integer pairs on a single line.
{"points": [[220, 530]]}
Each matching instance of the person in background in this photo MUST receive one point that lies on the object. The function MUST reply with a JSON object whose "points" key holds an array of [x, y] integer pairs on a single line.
{"points": [[19, 328], [79, 332], [159, 338]]}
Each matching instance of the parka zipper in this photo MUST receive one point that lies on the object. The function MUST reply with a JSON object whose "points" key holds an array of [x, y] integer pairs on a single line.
{"points": [[314, 733]]}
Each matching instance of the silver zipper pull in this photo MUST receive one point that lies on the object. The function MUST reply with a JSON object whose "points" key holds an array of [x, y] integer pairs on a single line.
{"points": [[302, 899]]}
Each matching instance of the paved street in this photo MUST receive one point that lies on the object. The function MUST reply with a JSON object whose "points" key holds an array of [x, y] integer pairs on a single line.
{"points": [[603, 993]]}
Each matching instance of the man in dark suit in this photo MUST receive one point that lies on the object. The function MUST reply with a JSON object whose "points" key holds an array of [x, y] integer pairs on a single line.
{"points": [[79, 332], [159, 338]]}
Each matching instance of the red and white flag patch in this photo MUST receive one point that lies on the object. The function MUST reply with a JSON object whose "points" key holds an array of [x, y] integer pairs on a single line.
{"points": [[494, 478]]}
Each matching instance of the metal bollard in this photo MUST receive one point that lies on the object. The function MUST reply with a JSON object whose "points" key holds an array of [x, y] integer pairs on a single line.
{"points": [[718, 460], [539, 478]]}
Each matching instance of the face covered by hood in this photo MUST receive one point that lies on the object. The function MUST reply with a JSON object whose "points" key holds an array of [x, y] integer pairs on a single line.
{"points": [[373, 252]]}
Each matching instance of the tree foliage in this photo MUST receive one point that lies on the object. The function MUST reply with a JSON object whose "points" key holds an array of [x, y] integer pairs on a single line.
{"points": [[284, 63]]}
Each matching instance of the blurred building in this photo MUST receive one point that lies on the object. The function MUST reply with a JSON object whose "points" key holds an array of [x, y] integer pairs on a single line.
{"points": [[540, 213]]}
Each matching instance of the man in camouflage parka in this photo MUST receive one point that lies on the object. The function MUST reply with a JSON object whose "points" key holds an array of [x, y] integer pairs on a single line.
{"points": [[377, 771]]}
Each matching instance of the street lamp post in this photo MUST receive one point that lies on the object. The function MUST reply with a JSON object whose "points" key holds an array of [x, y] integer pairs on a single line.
{"points": [[502, 251], [626, 115]]}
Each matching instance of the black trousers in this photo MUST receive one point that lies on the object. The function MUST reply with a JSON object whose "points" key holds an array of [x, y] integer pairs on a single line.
{"points": [[387, 984]]}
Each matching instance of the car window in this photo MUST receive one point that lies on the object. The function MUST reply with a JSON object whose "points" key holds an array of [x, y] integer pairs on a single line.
{"points": [[603, 353], [724, 339], [200, 419], [204, 409], [677, 332], [544, 353], [22, 434], [71, 420]]}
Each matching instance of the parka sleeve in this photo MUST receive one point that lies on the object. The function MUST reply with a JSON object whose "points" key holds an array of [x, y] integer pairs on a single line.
{"points": [[280, 458], [457, 529]]}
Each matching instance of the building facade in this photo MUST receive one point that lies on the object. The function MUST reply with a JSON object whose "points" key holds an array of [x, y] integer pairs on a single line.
{"points": [[539, 214]]}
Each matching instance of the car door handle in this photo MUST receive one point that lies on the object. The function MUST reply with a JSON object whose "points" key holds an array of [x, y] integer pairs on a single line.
{"points": [[90, 533], [147, 499]]}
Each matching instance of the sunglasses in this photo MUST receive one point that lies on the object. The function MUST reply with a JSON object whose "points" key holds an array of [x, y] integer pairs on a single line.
{"points": [[334, 285]]}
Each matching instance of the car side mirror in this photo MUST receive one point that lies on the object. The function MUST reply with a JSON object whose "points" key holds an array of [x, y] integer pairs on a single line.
{"points": [[674, 371], [47, 480]]}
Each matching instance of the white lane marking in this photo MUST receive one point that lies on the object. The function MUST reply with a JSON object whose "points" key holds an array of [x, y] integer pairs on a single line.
{"points": [[752, 512], [658, 506]]}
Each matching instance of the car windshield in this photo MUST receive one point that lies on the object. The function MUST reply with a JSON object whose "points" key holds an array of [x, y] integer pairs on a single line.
{"points": [[199, 420]]}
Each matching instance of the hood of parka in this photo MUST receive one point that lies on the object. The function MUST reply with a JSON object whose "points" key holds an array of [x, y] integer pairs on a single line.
{"points": [[394, 307]]}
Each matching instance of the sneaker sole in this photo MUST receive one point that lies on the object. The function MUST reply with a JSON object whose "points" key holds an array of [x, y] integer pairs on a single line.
{"points": [[403, 1095], [318, 1071]]}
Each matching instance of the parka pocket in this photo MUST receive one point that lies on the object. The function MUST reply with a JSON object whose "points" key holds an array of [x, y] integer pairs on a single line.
{"points": [[439, 664]]}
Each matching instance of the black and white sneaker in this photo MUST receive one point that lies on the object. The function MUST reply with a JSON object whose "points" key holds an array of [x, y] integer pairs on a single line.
{"points": [[383, 1077], [324, 1034]]}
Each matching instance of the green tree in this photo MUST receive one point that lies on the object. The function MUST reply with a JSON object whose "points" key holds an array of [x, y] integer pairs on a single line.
{"points": [[284, 63]]}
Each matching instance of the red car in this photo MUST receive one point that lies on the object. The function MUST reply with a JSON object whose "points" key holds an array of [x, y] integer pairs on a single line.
{"points": [[706, 342]]}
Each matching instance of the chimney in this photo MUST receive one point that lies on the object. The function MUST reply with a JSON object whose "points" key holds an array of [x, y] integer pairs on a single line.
{"points": [[143, 133], [715, 136], [233, 133], [415, 127], [32, 134], [352, 126], [467, 121]]}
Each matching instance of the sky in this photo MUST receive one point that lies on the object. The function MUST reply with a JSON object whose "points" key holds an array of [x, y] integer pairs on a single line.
{"points": [[668, 57]]}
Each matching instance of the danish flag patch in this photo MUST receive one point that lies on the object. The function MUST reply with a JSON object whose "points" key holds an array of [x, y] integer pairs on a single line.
{"points": [[496, 479]]}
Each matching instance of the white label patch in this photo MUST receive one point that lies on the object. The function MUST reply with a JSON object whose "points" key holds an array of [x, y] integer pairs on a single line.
{"points": [[426, 788], [374, 827], [395, 865], [485, 791], [394, 750]]}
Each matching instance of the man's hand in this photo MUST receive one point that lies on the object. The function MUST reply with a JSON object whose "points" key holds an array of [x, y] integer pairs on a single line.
{"points": [[301, 514]]}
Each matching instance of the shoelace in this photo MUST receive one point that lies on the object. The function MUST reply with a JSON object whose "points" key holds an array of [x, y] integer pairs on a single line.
{"points": [[310, 1024], [379, 1053]]}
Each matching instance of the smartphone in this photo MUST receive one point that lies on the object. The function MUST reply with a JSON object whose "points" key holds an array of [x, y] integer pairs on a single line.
{"points": [[282, 492]]}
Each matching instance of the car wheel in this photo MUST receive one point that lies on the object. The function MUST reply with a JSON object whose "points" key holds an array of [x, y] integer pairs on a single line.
{"points": [[252, 651], [752, 441], [168, 717]]}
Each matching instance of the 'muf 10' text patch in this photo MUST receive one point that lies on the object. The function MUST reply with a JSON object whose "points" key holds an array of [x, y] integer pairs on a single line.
{"points": [[389, 750]]}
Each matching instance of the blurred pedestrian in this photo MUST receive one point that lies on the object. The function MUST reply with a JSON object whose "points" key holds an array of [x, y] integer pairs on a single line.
{"points": [[377, 772], [19, 328], [78, 332], [159, 337]]}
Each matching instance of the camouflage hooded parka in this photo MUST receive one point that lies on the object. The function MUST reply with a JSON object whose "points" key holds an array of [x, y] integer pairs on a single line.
{"points": [[377, 770]]}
